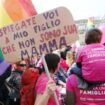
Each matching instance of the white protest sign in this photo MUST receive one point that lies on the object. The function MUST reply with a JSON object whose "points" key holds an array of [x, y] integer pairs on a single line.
{"points": [[38, 34]]}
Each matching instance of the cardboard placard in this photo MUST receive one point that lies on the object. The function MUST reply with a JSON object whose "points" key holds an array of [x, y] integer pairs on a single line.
{"points": [[38, 34]]}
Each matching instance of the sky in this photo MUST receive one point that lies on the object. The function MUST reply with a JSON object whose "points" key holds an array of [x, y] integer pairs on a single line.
{"points": [[80, 9]]}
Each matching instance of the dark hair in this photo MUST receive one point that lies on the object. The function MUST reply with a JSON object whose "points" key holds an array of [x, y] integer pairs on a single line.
{"points": [[64, 52], [93, 36], [52, 61]]}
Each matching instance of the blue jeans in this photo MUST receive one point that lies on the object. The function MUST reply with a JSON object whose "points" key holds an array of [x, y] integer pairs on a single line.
{"points": [[76, 70]]}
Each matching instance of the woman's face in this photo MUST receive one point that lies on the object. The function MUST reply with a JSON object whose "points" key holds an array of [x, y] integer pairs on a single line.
{"points": [[22, 66], [69, 55]]}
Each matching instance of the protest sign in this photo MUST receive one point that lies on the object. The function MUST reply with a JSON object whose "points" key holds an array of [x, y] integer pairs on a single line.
{"points": [[39, 34]]}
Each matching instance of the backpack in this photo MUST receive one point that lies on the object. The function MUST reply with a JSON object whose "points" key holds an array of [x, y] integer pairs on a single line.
{"points": [[27, 93]]}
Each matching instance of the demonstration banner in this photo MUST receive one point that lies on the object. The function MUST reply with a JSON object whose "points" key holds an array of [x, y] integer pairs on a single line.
{"points": [[39, 34]]}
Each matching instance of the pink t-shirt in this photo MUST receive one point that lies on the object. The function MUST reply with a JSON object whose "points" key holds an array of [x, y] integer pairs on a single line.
{"points": [[95, 96], [92, 58], [41, 86]]}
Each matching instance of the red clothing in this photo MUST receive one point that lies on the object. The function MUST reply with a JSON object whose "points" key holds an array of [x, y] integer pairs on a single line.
{"points": [[64, 65], [27, 93]]}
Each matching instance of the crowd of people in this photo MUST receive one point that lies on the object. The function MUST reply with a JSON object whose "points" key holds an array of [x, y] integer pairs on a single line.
{"points": [[77, 76]]}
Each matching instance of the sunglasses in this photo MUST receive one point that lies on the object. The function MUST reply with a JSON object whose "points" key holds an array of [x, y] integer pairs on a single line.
{"points": [[22, 65]]}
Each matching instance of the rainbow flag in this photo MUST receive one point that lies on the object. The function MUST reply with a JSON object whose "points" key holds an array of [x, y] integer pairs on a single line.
{"points": [[3, 64], [1, 56], [12, 11]]}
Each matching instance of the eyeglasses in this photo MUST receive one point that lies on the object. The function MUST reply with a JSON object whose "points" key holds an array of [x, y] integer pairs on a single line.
{"points": [[22, 65]]}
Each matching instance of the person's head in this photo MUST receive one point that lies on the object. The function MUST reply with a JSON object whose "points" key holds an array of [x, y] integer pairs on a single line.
{"points": [[70, 57], [64, 52], [52, 61], [22, 65], [93, 36]]}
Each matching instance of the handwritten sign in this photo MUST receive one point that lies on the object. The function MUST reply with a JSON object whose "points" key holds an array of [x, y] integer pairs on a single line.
{"points": [[38, 34]]}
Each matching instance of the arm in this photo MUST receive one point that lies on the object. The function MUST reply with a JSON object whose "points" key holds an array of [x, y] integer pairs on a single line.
{"points": [[6, 74], [71, 84], [42, 99], [70, 98]]}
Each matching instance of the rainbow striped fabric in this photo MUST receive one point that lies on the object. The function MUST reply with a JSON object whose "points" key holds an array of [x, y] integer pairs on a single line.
{"points": [[12, 11], [3, 64]]}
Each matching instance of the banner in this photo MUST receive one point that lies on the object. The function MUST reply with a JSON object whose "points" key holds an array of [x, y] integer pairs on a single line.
{"points": [[39, 34]]}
